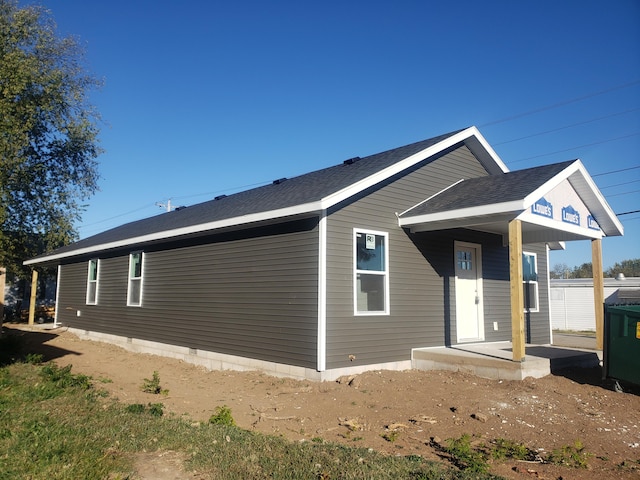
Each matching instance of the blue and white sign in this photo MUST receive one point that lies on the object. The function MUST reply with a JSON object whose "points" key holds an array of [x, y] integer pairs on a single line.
{"points": [[570, 215], [592, 224], [542, 207]]}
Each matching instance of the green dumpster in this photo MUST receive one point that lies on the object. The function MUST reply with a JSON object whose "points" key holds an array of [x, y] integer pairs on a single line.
{"points": [[621, 353]]}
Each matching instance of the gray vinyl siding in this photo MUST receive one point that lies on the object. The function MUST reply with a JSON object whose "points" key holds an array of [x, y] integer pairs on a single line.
{"points": [[418, 279], [252, 295], [537, 326], [495, 288]]}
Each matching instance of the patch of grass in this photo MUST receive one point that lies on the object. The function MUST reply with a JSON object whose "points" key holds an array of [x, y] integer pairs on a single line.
{"points": [[152, 385], [573, 456], [33, 358], [465, 456], [502, 449], [222, 416], [62, 377], [390, 436], [70, 435], [154, 409]]}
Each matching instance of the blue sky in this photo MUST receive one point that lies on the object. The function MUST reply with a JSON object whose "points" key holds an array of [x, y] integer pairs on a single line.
{"points": [[206, 97]]}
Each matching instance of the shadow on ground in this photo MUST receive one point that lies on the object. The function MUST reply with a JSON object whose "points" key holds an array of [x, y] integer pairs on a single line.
{"points": [[594, 376], [17, 343]]}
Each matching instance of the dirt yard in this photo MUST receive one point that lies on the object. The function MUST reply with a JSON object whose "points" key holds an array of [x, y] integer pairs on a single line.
{"points": [[409, 408]]}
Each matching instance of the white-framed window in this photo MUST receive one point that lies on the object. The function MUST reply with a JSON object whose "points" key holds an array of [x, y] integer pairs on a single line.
{"points": [[92, 282], [370, 272], [530, 281], [134, 290]]}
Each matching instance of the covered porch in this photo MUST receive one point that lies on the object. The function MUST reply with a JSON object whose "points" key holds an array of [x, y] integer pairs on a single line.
{"points": [[495, 360], [548, 205]]}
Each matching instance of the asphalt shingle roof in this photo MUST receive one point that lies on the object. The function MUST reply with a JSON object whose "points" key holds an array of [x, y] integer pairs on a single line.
{"points": [[488, 190], [310, 187]]}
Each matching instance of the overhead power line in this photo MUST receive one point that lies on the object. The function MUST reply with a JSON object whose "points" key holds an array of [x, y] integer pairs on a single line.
{"points": [[623, 193], [566, 126], [615, 171], [619, 184], [575, 148], [561, 104]]}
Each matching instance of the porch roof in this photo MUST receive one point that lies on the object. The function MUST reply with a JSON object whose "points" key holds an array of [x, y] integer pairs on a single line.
{"points": [[489, 203]]}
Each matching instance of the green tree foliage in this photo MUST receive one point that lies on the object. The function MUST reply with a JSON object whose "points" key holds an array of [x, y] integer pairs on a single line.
{"points": [[48, 135], [629, 268], [583, 271]]}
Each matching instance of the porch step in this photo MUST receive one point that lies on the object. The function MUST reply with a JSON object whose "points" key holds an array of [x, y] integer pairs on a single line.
{"points": [[494, 360]]}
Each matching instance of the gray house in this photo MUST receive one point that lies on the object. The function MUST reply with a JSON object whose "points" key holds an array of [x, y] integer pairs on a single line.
{"points": [[341, 270]]}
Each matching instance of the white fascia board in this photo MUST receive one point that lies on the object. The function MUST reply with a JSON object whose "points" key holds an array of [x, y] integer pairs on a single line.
{"points": [[432, 196], [549, 185], [561, 226], [490, 151], [168, 234], [596, 196], [481, 211], [400, 166], [618, 229]]}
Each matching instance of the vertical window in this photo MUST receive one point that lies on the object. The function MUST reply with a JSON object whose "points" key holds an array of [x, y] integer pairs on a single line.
{"points": [[465, 260], [92, 283], [134, 292], [371, 277], [530, 281]]}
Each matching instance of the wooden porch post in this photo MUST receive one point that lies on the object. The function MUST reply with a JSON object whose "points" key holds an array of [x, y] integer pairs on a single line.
{"points": [[3, 278], [32, 298], [517, 294], [598, 290]]}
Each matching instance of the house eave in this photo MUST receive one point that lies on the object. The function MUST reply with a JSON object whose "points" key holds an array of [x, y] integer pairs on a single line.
{"points": [[183, 232], [470, 137]]}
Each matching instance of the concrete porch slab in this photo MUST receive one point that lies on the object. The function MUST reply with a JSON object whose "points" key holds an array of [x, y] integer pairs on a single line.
{"points": [[493, 360]]}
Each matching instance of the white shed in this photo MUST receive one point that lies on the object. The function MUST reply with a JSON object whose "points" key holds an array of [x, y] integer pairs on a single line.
{"points": [[572, 300]]}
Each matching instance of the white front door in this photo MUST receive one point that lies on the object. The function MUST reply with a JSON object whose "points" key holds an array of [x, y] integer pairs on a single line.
{"points": [[469, 317]]}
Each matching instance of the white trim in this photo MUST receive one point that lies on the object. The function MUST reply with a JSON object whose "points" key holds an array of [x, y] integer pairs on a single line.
{"points": [[322, 292], [612, 227], [479, 284], [432, 196], [140, 279], [90, 281], [167, 234], [550, 322], [402, 165], [471, 134], [385, 273], [537, 284], [514, 206]]}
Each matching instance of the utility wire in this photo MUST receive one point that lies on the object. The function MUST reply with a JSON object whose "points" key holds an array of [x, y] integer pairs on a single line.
{"points": [[566, 126], [561, 104], [628, 213], [615, 171], [623, 193], [576, 148], [619, 184]]}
